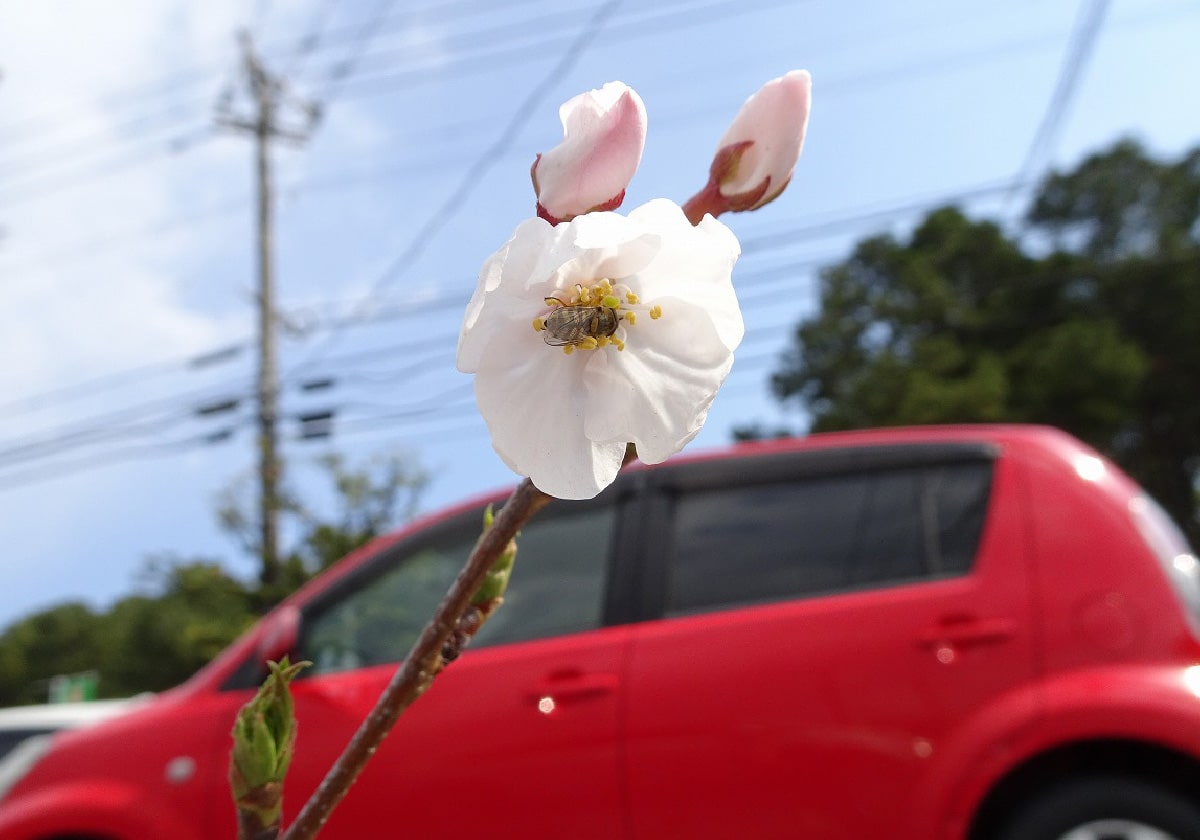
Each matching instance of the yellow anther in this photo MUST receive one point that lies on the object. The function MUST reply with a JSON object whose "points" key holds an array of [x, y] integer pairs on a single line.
{"points": [[631, 297], [630, 318], [602, 341], [605, 285], [568, 349], [655, 312], [618, 343], [585, 297], [588, 343], [611, 301], [539, 324]]}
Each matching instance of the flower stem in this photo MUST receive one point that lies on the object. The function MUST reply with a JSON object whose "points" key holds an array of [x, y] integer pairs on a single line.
{"points": [[420, 666], [708, 200]]}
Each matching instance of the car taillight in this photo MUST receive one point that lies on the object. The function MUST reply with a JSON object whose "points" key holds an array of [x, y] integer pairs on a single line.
{"points": [[1171, 547]]}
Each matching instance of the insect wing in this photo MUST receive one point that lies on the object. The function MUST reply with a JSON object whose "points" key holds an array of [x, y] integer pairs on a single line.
{"points": [[569, 325]]}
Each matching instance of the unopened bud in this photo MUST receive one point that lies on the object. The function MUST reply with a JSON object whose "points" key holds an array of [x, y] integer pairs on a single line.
{"points": [[264, 737], [756, 157]]}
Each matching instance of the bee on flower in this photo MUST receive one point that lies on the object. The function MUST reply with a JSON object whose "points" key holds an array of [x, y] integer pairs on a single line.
{"points": [[634, 323]]}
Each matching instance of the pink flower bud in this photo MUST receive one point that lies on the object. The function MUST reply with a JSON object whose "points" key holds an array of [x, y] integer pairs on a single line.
{"points": [[603, 134], [756, 157]]}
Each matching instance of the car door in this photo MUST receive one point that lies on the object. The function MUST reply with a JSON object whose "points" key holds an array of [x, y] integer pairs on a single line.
{"points": [[829, 624], [518, 737]]}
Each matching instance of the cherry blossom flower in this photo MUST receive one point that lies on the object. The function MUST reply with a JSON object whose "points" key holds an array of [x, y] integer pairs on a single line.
{"points": [[603, 134], [598, 332], [757, 155]]}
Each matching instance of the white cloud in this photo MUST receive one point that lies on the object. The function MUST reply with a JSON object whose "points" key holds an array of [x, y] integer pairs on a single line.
{"points": [[122, 306]]}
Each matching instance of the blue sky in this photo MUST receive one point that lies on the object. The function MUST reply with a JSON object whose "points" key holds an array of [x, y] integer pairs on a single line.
{"points": [[126, 245]]}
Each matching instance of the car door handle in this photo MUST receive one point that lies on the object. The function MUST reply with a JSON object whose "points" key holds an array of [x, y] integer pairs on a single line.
{"points": [[967, 632], [572, 686]]}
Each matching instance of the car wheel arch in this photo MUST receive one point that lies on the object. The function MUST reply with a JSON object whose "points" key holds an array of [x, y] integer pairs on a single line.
{"points": [[1143, 761]]}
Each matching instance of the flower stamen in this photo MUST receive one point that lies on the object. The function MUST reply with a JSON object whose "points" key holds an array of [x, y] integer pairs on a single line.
{"points": [[593, 316]]}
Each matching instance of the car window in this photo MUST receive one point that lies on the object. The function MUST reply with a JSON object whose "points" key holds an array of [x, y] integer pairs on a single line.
{"points": [[557, 587], [758, 542], [10, 738]]}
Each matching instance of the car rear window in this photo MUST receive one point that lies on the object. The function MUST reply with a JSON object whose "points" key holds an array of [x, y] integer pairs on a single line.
{"points": [[760, 542]]}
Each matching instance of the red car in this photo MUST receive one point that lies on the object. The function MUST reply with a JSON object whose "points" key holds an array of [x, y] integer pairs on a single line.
{"points": [[976, 632]]}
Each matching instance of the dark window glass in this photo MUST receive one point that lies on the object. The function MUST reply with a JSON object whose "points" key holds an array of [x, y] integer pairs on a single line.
{"points": [[764, 542], [9, 739], [557, 587]]}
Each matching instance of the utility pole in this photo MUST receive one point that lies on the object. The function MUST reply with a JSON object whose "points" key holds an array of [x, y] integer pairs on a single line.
{"points": [[267, 95]]}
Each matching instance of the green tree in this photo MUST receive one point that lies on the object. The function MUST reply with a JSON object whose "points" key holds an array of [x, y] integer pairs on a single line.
{"points": [[185, 611], [368, 499], [1085, 322], [64, 639]]}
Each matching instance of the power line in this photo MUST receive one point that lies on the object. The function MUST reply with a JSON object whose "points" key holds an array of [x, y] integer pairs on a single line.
{"points": [[85, 144], [362, 39], [779, 237], [101, 427], [213, 401], [426, 73], [876, 213], [372, 174], [1079, 50], [126, 153], [12, 481], [473, 175], [311, 40], [652, 25], [424, 414], [34, 127], [761, 298], [122, 378], [383, 311]]}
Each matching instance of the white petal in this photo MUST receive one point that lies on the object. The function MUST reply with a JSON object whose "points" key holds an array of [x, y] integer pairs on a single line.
{"points": [[564, 421], [517, 258], [613, 246], [656, 393], [695, 263], [533, 401]]}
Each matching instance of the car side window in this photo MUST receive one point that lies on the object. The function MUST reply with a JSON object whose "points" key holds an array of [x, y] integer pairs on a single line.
{"points": [[761, 542], [557, 587]]}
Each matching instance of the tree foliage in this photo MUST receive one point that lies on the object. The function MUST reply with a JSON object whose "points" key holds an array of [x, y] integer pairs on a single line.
{"points": [[367, 501], [1086, 322], [184, 611]]}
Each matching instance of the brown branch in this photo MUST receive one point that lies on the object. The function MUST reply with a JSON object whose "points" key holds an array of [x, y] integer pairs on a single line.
{"points": [[421, 664]]}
